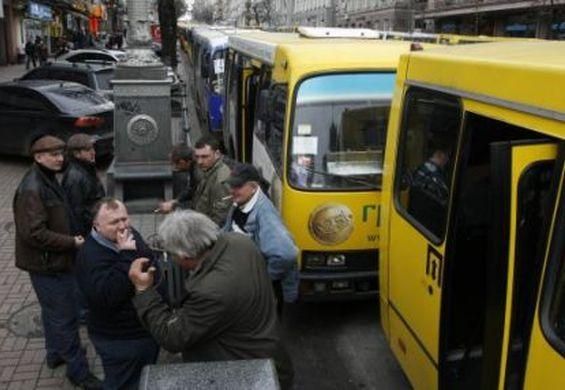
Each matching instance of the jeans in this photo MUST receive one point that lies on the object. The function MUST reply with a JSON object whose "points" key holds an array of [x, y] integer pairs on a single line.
{"points": [[124, 359], [56, 295]]}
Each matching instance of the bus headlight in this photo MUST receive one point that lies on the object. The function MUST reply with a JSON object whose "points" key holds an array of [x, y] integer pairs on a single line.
{"points": [[336, 260], [313, 260]]}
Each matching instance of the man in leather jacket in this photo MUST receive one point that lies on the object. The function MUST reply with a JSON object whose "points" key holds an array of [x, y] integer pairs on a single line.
{"points": [[80, 181], [45, 247]]}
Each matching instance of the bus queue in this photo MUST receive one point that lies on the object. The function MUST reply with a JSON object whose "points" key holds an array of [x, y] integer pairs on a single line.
{"points": [[421, 170]]}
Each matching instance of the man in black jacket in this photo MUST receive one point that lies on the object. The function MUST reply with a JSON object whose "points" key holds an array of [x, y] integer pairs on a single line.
{"points": [[102, 271], [80, 181], [45, 247]]}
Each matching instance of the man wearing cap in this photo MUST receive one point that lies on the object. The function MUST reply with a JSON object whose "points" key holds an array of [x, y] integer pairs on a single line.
{"points": [[45, 247], [253, 214], [80, 181]]}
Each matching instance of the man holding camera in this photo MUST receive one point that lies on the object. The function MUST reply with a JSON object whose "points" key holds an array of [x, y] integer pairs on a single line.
{"points": [[229, 310], [102, 272]]}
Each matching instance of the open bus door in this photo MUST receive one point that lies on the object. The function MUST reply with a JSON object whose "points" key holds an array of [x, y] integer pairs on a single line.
{"points": [[464, 237], [533, 342], [523, 213]]}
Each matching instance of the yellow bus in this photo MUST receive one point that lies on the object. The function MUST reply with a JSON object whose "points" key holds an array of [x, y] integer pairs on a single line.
{"points": [[472, 267], [311, 110]]}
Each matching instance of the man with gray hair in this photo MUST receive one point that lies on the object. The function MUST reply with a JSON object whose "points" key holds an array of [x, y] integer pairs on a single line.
{"points": [[229, 310]]}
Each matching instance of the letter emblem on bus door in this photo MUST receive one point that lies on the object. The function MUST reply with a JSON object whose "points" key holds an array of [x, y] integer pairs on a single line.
{"points": [[434, 266]]}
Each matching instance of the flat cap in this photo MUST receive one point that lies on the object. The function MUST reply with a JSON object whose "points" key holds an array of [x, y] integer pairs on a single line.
{"points": [[46, 143], [79, 141], [243, 173]]}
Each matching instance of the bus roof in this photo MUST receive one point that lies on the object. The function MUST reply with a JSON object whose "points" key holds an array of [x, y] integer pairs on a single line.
{"points": [[527, 74], [213, 38], [319, 53]]}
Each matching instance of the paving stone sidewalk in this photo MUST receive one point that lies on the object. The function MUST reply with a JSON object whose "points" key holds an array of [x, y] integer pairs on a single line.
{"points": [[22, 353]]}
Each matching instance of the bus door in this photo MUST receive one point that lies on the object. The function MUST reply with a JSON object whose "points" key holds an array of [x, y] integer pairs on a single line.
{"points": [[522, 171], [528, 346], [251, 76], [417, 228]]}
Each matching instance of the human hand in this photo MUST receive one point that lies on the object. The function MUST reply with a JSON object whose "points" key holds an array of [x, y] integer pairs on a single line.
{"points": [[125, 241], [141, 279], [79, 240]]}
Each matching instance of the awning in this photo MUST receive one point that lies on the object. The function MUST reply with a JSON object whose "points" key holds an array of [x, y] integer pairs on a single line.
{"points": [[516, 27]]}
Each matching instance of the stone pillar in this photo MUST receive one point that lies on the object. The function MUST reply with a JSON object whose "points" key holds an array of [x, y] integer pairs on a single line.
{"points": [[141, 173]]}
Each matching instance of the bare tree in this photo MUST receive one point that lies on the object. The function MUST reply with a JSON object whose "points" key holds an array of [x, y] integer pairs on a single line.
{"points": [[203, 12], [261, 12], [180, 7]]}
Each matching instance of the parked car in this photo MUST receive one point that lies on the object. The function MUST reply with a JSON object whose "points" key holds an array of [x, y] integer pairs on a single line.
{"points": [[61, 108], [95, 76], [94, 55]]}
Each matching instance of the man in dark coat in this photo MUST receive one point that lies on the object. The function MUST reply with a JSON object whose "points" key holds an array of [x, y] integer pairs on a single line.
{"points": [[229, 311], [103, 262], [45, 247], [80, 181], [30, 53], [184, 178]]}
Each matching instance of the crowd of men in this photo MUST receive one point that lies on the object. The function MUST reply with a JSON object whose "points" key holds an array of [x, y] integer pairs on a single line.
{"points": [[85, 259]]}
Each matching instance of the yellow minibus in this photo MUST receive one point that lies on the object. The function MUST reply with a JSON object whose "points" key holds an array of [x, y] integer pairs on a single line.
{"points": [[310, 109], [472, 252]]}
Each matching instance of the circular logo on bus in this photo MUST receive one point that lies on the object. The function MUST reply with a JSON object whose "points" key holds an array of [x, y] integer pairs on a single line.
{"points": [[331, 224], [142, 130]]}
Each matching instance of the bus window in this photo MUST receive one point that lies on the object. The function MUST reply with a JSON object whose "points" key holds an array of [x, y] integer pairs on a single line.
{"points": [[217, 72], [429, 140], [339, 131], [553, 312], [557, 308], [270, 132]]}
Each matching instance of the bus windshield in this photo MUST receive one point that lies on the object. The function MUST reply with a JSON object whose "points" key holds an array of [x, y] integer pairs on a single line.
{"points": [[339, 131]]}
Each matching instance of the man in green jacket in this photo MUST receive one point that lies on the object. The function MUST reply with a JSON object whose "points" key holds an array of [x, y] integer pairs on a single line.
{"points": [[211, 196], [229, 312]]}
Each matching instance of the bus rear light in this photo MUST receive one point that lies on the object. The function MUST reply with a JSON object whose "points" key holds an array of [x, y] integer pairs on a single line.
{"points": [[89, 121]]}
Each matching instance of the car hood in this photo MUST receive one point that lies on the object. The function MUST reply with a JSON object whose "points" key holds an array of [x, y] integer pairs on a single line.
{"points": [[91, 110]]}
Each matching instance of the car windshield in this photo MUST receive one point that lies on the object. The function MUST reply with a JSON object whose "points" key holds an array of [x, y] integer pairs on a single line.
{"points": [[70, 98], [339, 131], [103, 79]]}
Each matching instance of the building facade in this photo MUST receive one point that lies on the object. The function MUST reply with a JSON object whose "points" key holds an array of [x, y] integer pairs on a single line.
{"points": [[517, 18], [50, 20], [376, 14]]}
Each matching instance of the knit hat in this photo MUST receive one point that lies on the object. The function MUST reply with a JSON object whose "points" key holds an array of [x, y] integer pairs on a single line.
{"points": [[79, 141], [46, 143]]}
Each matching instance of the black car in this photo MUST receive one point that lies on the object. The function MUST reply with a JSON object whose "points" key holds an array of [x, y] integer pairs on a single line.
{"points": [[28, 108], [95, 76]]}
